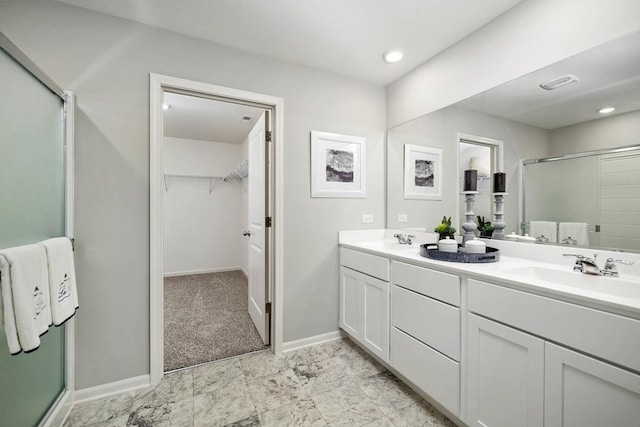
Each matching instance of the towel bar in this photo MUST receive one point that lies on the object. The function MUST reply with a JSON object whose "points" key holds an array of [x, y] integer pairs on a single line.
{"points": [[590, 228]]}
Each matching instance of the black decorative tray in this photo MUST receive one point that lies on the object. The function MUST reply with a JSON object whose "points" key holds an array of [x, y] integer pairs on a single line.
{"points": [[430, 250]]}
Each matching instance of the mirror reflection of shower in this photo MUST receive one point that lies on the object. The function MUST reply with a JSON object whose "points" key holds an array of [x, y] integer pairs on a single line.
{"points": [[601, 194]]}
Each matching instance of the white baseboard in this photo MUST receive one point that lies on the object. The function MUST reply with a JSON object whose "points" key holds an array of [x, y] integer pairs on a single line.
{"points": [[310, 341], [245, 272], [111, 389], [205, 271], [59, 411]]}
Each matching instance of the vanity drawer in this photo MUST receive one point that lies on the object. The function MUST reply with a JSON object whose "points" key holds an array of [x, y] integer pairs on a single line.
{"points": [[608, 336], [441, 286], [430, 371], [434, 323], [365, 263]]}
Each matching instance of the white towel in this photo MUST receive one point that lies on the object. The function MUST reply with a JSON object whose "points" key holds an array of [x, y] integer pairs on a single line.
{"points": [[547, 229], [25, 293], [573, 233], [62, 279]]}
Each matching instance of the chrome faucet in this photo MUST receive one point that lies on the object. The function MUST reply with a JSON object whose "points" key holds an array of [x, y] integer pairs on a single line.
{"points": [[588, 265], [404, 239], [585, 264]]}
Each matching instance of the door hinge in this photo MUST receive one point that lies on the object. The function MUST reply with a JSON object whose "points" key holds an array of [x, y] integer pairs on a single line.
{"points": [[267, 308], [267, 136], [267, 222]]}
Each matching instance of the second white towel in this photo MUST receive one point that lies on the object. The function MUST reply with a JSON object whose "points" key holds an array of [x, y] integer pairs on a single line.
{"points": [[62, 279], [573, 233]]}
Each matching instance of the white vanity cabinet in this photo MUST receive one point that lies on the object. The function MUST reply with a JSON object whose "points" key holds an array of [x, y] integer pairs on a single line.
{"points": [[364, 300], [518, 377], [490, 350], [505, 375], [586, 392], [425, 331]]}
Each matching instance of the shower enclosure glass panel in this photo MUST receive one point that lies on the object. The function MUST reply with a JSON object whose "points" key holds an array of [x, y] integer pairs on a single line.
{"points": [[32, 208], [563, 191]]}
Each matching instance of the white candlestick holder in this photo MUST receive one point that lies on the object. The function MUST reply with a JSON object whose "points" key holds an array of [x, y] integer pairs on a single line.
{"points": [[469, 226], [498, 216]]}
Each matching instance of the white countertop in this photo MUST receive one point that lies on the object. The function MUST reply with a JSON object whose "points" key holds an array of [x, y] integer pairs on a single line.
{"points": [[534, 268]]}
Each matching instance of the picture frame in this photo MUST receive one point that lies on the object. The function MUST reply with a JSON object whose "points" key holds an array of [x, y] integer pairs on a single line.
{"points": [[338, 165], [422, 173]]}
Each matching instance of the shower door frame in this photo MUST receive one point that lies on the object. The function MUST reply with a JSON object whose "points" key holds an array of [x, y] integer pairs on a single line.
{"points": [[63, 403]]}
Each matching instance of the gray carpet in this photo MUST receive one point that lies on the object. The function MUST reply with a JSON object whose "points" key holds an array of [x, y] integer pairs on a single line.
{"points": [[206, 319]]}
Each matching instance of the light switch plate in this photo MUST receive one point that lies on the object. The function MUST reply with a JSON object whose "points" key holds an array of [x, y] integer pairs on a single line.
{"points": [[402, 217], [367, 218]]}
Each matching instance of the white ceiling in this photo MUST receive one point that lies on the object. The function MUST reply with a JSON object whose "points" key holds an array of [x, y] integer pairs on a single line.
{"points": [[609, 76], [346, 37], [205, 119]]}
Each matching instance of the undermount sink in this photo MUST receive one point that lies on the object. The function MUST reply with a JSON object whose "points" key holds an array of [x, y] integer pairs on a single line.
{"points": [[608, 285]]}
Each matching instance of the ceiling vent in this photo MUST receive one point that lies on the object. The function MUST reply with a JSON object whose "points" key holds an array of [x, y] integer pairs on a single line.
{"points": [[559, 82]]}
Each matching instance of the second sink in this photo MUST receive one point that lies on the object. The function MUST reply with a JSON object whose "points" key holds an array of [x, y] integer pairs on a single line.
{"points": [[608, 285]]}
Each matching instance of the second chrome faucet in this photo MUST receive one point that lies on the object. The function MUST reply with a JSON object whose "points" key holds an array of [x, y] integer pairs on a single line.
{"points": [[588, 265]]}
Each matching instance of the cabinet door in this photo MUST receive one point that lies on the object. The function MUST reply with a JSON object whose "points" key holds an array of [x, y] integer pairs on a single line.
{"points": [[582, 392], [351, 302], [505, 375], [376, 316]]}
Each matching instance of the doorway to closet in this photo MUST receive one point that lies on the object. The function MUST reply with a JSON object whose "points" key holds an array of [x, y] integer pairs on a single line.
{"points": [[214, 286], [265, 287]]}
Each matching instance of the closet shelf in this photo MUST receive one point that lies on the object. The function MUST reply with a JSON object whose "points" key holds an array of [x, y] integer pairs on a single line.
{"points": [[211, 178], [239, 173]]}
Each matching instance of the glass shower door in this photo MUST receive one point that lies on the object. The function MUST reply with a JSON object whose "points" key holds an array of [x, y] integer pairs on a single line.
{"points": [[32, 208]]}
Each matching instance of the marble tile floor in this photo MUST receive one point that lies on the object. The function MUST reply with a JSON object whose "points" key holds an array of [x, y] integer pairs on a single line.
{"points": [[331, 384]]}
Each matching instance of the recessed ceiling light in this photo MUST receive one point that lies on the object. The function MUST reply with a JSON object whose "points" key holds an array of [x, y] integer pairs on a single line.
{"points": [[559, 82], [166, 106], [606, 110], [392, 56]]}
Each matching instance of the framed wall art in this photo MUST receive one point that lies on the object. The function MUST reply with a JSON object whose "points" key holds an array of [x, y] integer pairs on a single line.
{"points": [[338, 167], [422, 173]]}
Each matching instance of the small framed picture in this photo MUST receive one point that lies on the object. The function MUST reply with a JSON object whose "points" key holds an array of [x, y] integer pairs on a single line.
{"points": [[338, 166], [422, 173]]}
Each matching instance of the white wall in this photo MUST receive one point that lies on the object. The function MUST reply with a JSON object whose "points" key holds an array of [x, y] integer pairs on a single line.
{"points": [[107, 62], [532, 35], [608, 132], [202, 230]]}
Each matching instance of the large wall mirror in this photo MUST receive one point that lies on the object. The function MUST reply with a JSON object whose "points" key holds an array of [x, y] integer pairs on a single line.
{"points": [[536, 128]]}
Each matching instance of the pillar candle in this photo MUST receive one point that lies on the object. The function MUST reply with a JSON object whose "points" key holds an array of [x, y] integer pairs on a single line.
{"points": [[470, 180], [499, 182]]}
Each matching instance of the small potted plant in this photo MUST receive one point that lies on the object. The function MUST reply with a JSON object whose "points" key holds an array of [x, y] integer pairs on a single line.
{"points": [[484, 227], [445, 229]]}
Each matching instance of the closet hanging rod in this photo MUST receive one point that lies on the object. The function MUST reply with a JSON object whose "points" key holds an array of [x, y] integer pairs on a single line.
{"points": [[171, 175]]}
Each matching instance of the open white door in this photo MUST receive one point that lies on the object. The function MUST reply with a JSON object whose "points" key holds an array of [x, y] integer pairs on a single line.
{"points": [[258, 295]]}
